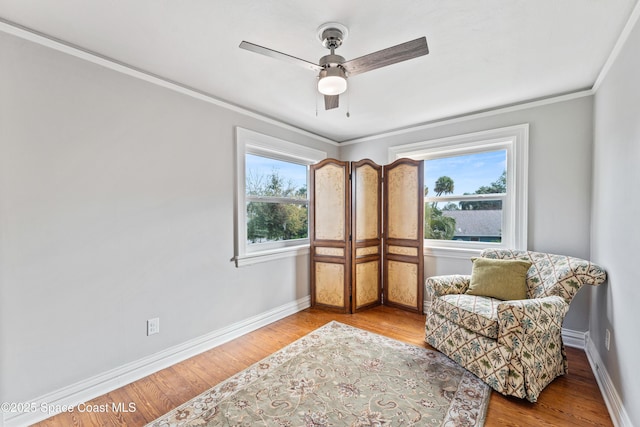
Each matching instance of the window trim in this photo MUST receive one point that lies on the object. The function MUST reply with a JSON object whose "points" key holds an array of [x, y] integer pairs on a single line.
{"points": [[250, 142], [515, 139]]}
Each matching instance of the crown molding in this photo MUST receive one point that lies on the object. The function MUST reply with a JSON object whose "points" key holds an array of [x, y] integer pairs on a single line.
{"points": [[617, 48], [622, 39], [79, 52], [42, 39], [474, 115]]}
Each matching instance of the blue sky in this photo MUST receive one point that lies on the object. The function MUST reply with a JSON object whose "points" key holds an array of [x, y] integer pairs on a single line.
{"points": [[263, 166], [469, 172]]}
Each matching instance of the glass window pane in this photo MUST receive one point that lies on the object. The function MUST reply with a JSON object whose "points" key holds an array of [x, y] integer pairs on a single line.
{"points": [[483, 224], [478, 173], [270, 222], [465, 220], [275, 178]]}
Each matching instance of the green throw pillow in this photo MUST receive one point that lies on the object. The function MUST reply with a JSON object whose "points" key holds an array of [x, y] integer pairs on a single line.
{"points": [[505, 279]]}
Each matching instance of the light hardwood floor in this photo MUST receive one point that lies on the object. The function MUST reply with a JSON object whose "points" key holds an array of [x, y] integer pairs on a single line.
{"points": [[571, 400]]}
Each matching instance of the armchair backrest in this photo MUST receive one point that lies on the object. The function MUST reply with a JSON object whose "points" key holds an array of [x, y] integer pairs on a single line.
{"points": [[551, 274]]}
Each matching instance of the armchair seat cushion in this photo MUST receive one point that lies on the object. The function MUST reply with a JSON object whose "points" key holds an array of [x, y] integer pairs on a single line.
{"points": [[476, 313]]}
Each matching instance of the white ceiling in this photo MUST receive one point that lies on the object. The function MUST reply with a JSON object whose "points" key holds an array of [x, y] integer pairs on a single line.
{"points": [[483, 54]]}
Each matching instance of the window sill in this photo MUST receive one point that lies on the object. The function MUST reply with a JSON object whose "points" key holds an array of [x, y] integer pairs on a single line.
{"points": [[270, 255], [449, 252]]}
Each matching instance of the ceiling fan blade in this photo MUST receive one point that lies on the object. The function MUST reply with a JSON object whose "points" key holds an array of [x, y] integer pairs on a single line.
{"points": [[279, 55], [331, 102], [384, 57]]}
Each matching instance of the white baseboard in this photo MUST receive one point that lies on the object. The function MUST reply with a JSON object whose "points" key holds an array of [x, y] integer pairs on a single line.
{"points": [[576, 339], [98, 385], [618, 414]]}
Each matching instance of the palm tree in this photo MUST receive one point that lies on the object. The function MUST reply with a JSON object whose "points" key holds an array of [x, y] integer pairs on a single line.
{"points": [[438, 226], [444, 184]]}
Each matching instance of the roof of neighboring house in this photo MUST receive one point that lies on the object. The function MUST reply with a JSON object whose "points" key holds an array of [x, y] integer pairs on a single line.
{"points": [[476, 222]]}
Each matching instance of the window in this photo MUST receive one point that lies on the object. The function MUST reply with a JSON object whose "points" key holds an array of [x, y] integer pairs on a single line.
{"points": [[475, 190], [272, 211]]}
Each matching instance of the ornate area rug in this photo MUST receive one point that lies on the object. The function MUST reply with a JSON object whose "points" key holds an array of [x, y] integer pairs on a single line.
{"points": [[339, 375]]}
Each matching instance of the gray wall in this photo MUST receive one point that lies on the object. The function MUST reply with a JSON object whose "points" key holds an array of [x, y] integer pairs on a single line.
{"points": [[560, 160], [117, 203], [616, 226], [117, 206]]}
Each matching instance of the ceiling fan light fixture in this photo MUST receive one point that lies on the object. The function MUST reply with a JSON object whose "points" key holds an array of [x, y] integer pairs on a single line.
{"points": [[332, 81]]}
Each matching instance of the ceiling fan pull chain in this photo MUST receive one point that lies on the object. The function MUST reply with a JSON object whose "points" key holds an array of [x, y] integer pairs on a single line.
{"points": [[348, 105]]}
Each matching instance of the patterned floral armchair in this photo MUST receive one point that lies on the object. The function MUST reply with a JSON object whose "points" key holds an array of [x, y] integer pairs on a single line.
{"points": [[514, 346]]}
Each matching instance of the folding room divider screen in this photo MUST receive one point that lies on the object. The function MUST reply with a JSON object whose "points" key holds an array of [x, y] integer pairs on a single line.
{"points": [[366, 230]]}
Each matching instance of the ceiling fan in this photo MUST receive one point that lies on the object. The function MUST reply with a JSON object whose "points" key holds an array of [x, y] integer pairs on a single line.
{"points": [[334, 69]]}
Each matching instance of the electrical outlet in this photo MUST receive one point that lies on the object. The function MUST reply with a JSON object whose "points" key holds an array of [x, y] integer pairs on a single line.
{"points": [[153, 326], [607, 339]]}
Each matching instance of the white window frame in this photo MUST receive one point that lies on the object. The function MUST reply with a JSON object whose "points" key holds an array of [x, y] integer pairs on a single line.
{"points": [[513, 139], [250, 142]]}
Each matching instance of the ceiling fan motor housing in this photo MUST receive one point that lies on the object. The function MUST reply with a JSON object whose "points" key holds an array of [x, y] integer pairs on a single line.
{"points": [[332, 38], [330, 61]]}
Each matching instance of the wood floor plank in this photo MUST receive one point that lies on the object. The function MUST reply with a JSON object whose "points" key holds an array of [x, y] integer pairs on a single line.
{"points": [[573, 399], [195, 374], [123, 397]]}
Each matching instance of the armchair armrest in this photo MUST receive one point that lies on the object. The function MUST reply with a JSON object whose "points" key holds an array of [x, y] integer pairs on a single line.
{"points": [[563, 276], [444, 285], [532, 331]]}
